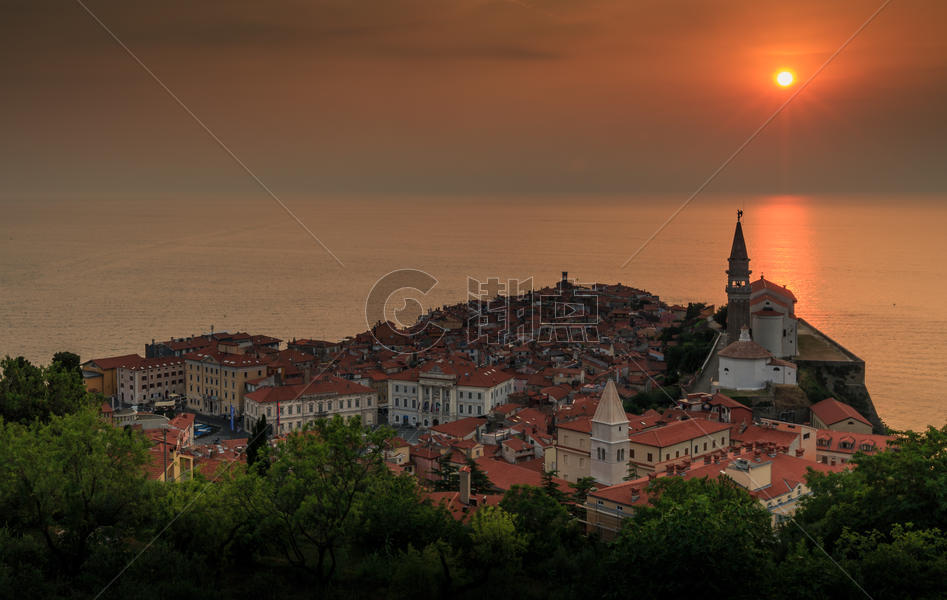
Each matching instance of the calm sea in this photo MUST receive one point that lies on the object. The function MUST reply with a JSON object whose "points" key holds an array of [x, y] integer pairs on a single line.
{"points": [[102, 277]]}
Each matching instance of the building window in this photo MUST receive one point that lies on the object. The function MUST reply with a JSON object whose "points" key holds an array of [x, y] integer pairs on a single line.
{"points": [[650, 457]]}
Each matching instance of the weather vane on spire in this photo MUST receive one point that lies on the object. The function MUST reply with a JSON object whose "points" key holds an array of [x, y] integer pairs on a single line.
{"points": [[739, 214]]}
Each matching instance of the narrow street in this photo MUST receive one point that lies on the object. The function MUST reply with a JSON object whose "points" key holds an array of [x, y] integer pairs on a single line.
{"points": [[709, 373]]}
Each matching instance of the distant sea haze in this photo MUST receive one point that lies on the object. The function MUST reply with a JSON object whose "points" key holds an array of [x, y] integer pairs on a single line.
{"points": [[104, 277]]}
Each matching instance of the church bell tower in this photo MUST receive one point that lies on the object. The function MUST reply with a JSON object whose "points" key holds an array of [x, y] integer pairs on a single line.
{"points": [[738, 284]]}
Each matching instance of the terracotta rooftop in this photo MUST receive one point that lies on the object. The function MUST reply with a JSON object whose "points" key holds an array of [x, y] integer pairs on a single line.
{"points": [[460, 428], [764, 284], [324, 384], [831, 411], [745, 349], [677, 432]]}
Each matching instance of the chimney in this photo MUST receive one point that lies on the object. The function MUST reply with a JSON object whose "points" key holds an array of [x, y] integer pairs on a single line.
{"points": [[635, 494], [706, 459], [464, 474], [307, 374]]}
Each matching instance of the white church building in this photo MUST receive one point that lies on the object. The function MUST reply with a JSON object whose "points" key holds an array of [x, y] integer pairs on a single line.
{"points": [[746, 365], [751, 362], [773, 318]]}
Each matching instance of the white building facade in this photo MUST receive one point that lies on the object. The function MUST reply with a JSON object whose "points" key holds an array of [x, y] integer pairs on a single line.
{"points": [[289, 407], [746, 365], [773, 318], [609, 441], [444, 391]]}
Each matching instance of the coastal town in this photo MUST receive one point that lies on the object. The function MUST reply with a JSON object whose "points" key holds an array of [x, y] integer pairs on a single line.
{"points": [[598, 387]]}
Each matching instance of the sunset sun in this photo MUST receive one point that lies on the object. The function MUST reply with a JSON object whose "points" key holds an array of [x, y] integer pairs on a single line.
{"points": [[785, 78]]}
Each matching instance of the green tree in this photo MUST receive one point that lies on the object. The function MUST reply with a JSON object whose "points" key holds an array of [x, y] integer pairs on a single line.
{"points": [[713, 526], [693, 311], [479, 482], [396, 514], [905, 563], [906, 484], [721, 316], [312, 495], [551, 487], [432, 572], [495, 541], [258, 440], [447, 478], [69, 361], [543, 521], [76, 484], [581, 488], [28, 392]]}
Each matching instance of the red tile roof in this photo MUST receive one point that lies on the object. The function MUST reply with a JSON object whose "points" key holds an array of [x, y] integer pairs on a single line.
{"points": [[504, 475], [324, 384], [582, 425], [629, 493], [114, 362], [831, 441], [460, 428], [787, 472], [224, 359], [764, 284], [744, 349], [763, 435], [460, 511], [831, 411], [719, 399], [677, 432], [516, 444]]}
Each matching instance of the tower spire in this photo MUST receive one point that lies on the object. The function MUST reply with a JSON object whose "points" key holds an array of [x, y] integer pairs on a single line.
{"points": [[738, 284]]}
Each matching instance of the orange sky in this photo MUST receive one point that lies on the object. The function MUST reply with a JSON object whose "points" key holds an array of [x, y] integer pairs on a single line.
{"points": [[470, 96]]}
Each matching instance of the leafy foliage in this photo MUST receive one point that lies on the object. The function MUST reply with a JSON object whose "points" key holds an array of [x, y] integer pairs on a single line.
{"points": [[711, 526], [28, 392], [322, 515]]}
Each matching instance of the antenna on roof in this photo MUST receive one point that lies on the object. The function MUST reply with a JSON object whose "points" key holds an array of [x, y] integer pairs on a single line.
{"points": [[739, 214]]}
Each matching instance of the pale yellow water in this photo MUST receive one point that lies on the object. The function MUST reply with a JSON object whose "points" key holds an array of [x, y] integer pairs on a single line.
{"points": [[102, 277]]}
